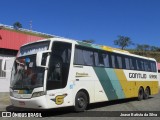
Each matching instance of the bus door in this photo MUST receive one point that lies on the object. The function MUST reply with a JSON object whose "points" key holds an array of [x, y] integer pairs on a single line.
{"points": [[58, 71]]}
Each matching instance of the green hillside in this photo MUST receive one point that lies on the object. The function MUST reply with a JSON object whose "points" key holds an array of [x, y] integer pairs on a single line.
{"points": [[151, 54]]}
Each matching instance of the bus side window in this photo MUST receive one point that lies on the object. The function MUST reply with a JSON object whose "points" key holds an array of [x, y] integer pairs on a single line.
{"points": [[137, 66], [131, 64], [113, 59], [127, 63], [106, 59], [88, 57], [146, 67], [149, 66], [78, 60], [153, 67], [99, 61], [83, 56], [142, 64], [119, 60]]}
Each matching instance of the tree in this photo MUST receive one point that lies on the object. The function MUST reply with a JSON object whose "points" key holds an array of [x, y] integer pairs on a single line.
{"points": [[88, 41], [154, 48], [17, 25], [146, 47], [140, 47], [123, 41]]}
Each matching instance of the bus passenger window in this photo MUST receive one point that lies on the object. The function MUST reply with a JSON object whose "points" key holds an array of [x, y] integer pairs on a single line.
{"points": [[106, 60], [99, 59], [78, 57], [153, 67], [88, 57], [83, 56], [119, 60], [113, 61], [127, 63], [142, 66], [131, 64], [146, 66], [137, 66]]}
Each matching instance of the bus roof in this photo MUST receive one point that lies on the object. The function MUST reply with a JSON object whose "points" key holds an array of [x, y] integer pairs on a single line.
{"points": [[95, 46], [111, 49]]}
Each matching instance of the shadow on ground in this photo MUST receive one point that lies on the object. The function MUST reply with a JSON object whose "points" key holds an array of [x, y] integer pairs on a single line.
{"points": [[69, 111]]}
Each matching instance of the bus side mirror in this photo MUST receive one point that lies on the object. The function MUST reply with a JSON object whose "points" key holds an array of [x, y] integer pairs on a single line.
{"points": [[41, 59]]}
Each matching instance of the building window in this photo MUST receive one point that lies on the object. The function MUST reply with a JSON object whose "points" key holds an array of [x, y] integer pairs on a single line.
{"points": [[2, 73]]}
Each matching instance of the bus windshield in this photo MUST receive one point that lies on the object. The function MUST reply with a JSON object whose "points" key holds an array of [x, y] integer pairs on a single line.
{"points": [[25, 73]]}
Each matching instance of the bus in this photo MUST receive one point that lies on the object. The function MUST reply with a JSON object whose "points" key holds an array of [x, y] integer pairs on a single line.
{"points": [[59, 72]]}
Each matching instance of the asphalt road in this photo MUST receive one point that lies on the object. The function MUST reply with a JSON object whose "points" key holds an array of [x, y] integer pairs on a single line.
{"points": [[97, 111]]}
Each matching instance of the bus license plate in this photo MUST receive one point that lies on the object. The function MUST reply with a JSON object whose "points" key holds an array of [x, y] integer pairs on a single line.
{"points": [[21, 103]]}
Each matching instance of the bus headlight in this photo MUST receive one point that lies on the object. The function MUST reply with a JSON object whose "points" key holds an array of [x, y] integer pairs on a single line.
{"points": [[37, 94]]}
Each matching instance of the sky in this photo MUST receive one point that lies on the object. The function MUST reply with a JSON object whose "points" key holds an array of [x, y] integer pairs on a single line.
{"points": [[98, 20]]}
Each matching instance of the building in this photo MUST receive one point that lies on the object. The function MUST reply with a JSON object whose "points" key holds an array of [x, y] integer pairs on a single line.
{"points": [[10, 42]]}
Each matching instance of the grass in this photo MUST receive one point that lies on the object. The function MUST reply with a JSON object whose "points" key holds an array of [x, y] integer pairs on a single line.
{"points": [[29, 33]]}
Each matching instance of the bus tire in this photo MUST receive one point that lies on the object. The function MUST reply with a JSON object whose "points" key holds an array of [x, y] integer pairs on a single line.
{"points": [[146, 93], [140, 94], [81, 102]]}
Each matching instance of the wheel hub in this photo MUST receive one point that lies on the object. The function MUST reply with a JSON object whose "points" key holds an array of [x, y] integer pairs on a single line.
{"points": [[81, 102]]}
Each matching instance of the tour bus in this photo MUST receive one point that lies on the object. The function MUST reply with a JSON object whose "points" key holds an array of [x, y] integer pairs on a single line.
{"points": [[59, 72]]}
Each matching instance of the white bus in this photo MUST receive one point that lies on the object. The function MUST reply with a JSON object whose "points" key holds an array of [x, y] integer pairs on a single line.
{"points": [[59, 72]]}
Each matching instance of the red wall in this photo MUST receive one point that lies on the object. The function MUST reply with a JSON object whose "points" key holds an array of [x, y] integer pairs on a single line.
{"points": [[13, 40]]}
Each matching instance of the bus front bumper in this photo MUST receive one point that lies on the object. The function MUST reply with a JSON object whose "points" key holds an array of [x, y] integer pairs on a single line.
{"points": [[35, 103]]}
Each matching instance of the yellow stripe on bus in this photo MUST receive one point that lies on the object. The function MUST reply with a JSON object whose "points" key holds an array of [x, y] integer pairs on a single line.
{"points": [[131, 88]]}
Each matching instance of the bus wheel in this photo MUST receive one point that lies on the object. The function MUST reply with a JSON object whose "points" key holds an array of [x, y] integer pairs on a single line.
{"points": [[81, 102], [146, 93], [140, 94]]}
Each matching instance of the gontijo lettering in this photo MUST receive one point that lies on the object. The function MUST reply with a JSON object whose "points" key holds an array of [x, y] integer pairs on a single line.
{"points": [[137, 75]]}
